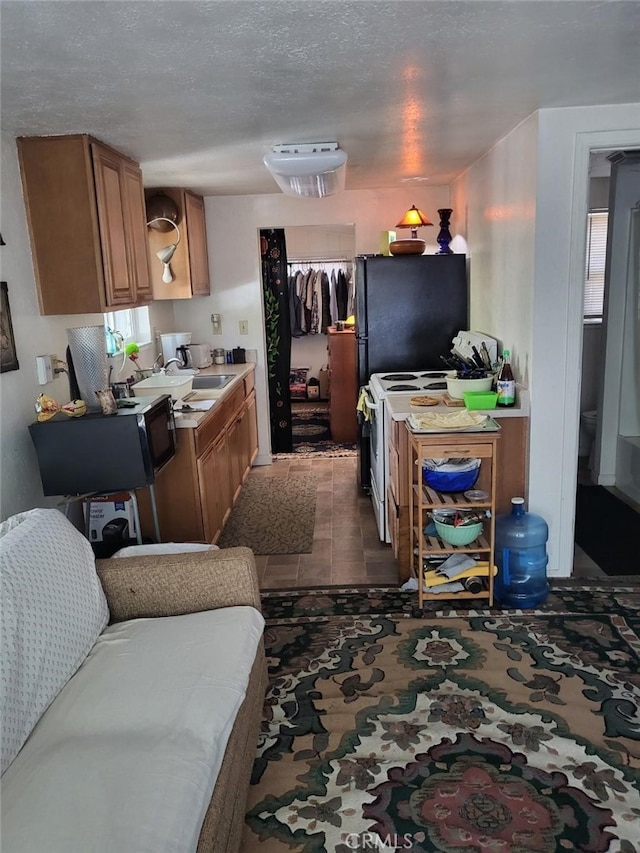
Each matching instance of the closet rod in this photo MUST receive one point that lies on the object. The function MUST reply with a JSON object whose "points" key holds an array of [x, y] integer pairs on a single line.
{"points": [[297, 262]]}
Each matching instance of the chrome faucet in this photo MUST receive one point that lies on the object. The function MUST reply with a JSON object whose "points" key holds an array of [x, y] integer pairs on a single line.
{"points": [[157, 364], [171, 361]]}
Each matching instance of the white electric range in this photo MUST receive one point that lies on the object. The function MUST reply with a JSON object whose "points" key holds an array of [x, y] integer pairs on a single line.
{"points": [[381, 387]]}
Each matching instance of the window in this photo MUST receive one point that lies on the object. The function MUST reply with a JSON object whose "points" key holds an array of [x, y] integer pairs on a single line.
{"points": [[132, 323], [597, 222]]}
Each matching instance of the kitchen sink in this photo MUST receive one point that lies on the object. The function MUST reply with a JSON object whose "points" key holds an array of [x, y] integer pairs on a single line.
{"points": [[215, 382]]}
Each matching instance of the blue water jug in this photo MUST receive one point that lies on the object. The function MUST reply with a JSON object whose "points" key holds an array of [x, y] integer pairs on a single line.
{"points": [[521, 558]]}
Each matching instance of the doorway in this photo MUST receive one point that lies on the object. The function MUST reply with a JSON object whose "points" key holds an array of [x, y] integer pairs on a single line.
{"points": [[311, 249], [608, 470]]}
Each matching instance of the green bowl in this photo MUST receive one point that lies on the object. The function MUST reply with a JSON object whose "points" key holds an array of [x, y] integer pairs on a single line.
{"points": [[480, 399], [462, 535]]}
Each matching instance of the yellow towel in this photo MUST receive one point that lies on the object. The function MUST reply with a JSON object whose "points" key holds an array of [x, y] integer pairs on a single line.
{"points": [[481, 570], [362, 405]]}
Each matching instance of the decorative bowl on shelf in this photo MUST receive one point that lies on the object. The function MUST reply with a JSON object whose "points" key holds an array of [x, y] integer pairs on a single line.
{"points": [[412, 246]]}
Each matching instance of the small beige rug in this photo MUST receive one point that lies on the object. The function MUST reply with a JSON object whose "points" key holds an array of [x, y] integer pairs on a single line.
{"points": [[273, 515]]}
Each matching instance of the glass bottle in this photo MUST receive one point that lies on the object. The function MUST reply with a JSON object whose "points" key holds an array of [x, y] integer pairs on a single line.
{"points": [[505, 383]]}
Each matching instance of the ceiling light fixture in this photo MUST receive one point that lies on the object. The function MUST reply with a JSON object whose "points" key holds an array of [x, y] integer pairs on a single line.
{"points": [[165, 255], [308, 170], [412, 219]]}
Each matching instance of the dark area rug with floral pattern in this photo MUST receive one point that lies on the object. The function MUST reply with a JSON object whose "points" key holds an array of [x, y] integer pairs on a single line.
{"points": [[312, 434], [457, 731]]}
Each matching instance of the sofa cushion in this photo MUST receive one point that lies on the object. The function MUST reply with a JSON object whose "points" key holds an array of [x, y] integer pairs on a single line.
{"points": [[163, 548], [53, 610], [127, 756]]}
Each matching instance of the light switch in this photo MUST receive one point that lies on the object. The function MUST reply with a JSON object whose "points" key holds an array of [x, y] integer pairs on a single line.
{"points": [[244, 327], [44, 369]]}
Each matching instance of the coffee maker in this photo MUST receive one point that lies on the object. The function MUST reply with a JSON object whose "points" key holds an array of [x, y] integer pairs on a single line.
{"points": [[170, 344]]}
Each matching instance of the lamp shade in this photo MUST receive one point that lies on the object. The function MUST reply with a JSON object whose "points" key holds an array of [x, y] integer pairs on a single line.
{"points": [[413, 219], [309, 170]]}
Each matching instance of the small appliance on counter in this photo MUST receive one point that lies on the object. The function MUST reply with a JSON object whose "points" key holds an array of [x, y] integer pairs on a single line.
{"points": [[201, 355], [170, 343]]}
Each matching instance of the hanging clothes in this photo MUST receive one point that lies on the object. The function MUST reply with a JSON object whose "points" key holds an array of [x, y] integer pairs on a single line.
{"points": [[342, 295], [320, 293]]}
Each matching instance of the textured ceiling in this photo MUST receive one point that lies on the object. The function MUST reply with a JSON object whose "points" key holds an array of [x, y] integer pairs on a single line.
{"points": [[414, 91]]}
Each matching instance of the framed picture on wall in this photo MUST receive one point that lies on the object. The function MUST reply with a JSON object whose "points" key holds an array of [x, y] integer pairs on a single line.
{"points": [[9, 359]]}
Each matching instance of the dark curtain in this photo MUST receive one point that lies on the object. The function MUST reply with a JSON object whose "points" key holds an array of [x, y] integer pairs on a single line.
{"points": [[275, 294]]}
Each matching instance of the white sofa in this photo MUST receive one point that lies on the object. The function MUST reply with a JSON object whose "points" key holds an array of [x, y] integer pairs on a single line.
{"points": [[137, 735]]}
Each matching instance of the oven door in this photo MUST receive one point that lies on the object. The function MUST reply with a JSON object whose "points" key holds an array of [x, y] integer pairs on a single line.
{"points": [[376, 442]]}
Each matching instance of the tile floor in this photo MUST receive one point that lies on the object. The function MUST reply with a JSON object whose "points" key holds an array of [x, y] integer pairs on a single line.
{"points": [[346, 548]]}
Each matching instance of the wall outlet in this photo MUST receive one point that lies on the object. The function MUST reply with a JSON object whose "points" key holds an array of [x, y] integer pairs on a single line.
{"points": [[44, 369], [244, 327], [216, 324]]}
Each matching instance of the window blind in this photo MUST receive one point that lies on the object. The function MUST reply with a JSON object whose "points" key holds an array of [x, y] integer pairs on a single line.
{"points": [[597, 222]]}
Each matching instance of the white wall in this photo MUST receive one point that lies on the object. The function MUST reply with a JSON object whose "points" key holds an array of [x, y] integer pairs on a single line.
{"points": [[494, 205], [233, 224], [522, 209], [20, 486]]}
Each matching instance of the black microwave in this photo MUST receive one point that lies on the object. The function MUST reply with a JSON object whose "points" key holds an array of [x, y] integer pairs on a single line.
{"points": [[102, 454]]}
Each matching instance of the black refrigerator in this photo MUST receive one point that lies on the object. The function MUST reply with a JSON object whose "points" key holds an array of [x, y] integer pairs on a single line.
{"points": [[408, 310]]}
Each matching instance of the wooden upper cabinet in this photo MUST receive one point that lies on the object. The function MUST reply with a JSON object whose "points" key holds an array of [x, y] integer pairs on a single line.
{"points": [[197, 238], [190, 262], [85, 209], [136, 229]]}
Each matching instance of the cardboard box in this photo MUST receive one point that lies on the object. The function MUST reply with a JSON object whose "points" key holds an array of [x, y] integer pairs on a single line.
{"points": [[111, 519], [386, 237]]}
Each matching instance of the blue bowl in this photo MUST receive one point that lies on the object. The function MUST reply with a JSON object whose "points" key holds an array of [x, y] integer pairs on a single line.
{"points": [[450, 481]]}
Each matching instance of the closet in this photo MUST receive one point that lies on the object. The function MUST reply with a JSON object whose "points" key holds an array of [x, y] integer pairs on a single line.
{"points": [[321, 292]]}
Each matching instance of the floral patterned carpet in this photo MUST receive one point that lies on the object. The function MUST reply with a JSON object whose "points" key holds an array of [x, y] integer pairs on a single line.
{"points": [[457, 731]]}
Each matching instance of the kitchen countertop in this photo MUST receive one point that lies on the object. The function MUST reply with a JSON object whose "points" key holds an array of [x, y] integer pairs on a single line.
{"points": [[194, 419], [400, 408]]}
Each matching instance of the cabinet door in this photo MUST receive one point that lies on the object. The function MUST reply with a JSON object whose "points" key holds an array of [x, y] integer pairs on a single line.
{"points": [[252, 427], [197, 237], [119, 287], [235, 437], [136, 232], [214, 487]]}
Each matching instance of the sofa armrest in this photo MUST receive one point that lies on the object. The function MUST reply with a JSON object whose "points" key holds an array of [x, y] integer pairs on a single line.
{"points": [[174, 584]]}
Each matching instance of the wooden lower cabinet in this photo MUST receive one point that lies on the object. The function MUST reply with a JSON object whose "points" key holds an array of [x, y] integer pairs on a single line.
{"points": [[215, 487], [197, 489]]}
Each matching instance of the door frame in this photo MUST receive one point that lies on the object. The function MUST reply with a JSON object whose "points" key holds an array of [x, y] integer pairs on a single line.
{"points": [[585, 143]]}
